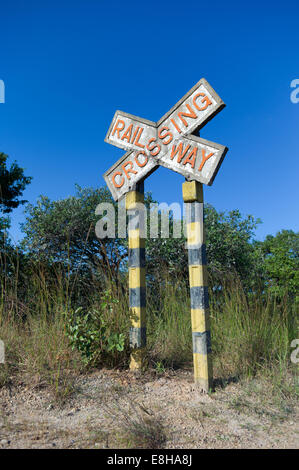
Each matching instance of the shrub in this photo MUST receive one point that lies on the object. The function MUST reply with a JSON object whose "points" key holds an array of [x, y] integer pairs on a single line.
{"points": [[94, 334]]}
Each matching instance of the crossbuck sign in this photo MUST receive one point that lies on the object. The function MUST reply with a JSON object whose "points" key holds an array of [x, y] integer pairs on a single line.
{"points": [[170, 142]]}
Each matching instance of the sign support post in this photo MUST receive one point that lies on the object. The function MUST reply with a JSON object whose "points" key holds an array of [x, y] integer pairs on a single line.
{"points": [[201, 337], [136, 261]]}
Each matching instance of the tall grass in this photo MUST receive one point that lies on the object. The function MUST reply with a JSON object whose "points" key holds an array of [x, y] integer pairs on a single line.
{"points": [[169, 323], [251, 333]]}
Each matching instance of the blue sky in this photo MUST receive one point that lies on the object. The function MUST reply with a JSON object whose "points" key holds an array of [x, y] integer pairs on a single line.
{"points": [[68, 65]]}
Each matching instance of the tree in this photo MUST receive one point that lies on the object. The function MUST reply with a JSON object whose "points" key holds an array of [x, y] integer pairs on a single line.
{"points": [[229, 247], [228, 242], [12, 184], [64, 231], [60, 237], [280, 257]]}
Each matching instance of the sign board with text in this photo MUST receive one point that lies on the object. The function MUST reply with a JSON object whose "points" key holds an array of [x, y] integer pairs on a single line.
{"points": [[170, 142]]}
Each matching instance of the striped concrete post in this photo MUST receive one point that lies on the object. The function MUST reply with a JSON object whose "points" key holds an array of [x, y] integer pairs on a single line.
{"points": [[201, 338], [137, 299]]}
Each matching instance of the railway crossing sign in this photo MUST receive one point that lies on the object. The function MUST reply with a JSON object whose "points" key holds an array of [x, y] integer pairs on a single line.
{"points": [[170, 142]]}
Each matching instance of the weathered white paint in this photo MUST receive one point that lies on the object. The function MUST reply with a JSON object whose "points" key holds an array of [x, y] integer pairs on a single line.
{"points": [[128, 184], [197, 145], [190, 114], [149, 131]]}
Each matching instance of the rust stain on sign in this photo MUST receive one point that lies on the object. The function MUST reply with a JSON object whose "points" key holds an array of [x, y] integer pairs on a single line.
{"points": [[167, 143]]}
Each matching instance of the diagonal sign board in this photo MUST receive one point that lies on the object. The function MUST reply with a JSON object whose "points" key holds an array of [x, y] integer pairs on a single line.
{"points": [[167, 143]]}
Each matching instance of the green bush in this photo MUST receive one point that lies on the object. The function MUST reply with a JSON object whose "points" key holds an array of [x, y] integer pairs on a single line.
{"points": [[94, 333]]}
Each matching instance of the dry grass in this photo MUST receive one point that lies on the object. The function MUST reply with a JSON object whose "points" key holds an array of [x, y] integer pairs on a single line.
{"points": [[251, 335], [38, 354], [138, 427]]}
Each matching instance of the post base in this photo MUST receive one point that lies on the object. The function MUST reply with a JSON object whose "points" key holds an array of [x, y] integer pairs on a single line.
{"points": [[203, 385], [138, 360]]}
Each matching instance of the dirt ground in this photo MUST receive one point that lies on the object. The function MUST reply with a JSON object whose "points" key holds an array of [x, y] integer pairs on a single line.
{"points": [[112, 409]]}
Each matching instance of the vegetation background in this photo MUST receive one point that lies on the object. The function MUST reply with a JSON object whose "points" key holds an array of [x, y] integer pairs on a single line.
{"points": [[64, 294]]}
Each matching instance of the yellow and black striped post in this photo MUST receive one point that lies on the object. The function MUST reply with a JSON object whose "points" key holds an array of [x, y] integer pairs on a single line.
{"points": [[137, 293], [201, 337]]}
